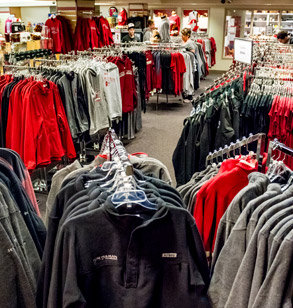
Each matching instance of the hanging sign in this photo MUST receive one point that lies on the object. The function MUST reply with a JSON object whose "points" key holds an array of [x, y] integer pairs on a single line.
{"points": [[243, 50]]}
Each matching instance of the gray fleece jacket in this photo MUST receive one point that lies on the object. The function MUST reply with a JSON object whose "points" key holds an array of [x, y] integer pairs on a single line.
{"points": [[240, 293], [232, 253]]}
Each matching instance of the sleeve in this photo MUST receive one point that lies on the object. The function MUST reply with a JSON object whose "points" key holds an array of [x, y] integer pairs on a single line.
{"points": [[198, 260], [64, 290], [275, 289], [64, 129], [61, 37], [47, 24]]}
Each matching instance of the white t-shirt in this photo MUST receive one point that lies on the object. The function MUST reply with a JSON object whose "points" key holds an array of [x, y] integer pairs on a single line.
{"points": [[193, 15]]}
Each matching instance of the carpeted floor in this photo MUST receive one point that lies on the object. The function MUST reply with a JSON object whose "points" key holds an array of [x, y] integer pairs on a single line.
{"points": [[162, 128]]}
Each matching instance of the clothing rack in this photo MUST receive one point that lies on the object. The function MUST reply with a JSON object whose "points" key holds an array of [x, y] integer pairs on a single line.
{"points": [[48, 61], [260, 138], [276, 73], [113, 147], [19, 67], [276, 145]]}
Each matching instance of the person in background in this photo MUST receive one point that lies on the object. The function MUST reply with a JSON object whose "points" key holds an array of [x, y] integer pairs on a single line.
{"points": [[187, 42], [148, 32], [284, 38], [130, 37]]}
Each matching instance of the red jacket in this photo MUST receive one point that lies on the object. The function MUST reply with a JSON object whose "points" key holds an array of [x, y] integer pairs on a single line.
{"points": [[15, 118], [106, 37], [213, 50], [178, 68], [94, 33], [55, 32], [215, 196], [37, 127], [62, 123], [127, 83], [129, 93], [67, 36]]}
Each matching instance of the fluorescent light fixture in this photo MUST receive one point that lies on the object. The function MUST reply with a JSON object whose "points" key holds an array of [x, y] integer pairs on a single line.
{"points": [[104, 3], [22, 3]]}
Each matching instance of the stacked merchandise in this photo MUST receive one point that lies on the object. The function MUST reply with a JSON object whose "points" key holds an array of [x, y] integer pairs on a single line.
{"points": [[23, 234], [59, 31], [92, 33], [107, 245], [33, 121]]}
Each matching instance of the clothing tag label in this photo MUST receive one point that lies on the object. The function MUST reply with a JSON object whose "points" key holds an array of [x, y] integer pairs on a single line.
{"points": [[105, 257], [97, 97], [169, 255]]}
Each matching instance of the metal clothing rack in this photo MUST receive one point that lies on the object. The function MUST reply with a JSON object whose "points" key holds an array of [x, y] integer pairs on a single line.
{"points": [[260, 138], [51, 61], [276, 145], [19, 67], [113, 147]]}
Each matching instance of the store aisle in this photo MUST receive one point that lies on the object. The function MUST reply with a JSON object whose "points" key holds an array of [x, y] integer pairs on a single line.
{"points": [[162, 128]]}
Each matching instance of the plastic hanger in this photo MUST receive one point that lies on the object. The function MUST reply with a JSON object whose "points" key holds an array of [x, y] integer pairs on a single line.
{"points": [[132, 197]]}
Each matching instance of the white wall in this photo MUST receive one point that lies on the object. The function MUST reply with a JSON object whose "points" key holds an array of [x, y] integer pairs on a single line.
{"points": [[216, 30], [34, 14], [4, 14]]}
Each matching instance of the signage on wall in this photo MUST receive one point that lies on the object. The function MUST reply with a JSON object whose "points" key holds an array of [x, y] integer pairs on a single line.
{"points": [[243, 50], [117, 36]]}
